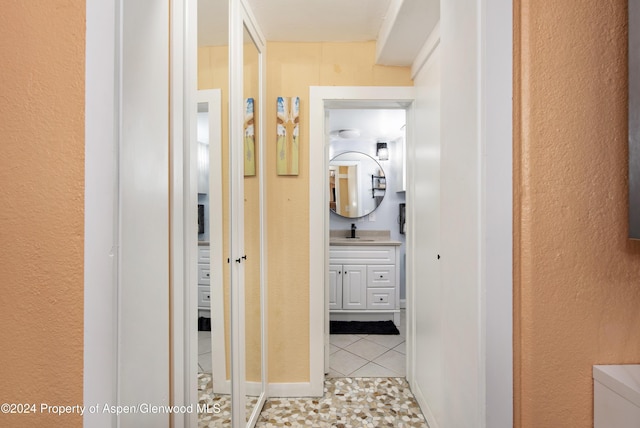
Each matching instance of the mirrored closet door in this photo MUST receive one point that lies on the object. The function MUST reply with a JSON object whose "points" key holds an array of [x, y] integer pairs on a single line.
{"points": [[253, 237], [230, 63], [214, 275]]}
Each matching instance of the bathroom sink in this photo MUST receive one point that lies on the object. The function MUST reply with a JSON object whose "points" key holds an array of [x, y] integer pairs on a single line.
{"points": [[356, 239], [369, 237]]}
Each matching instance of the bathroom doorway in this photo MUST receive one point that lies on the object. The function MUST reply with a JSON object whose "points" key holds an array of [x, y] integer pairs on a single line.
{"points": [[367, 188], [322, 101]]}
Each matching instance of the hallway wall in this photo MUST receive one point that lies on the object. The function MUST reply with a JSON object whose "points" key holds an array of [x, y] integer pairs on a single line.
{"points": [[42, 207], [577, 276], [427, 303], [291, 69]]}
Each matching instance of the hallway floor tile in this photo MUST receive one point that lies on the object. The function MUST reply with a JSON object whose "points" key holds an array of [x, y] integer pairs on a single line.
{"points": [[347, 403]]}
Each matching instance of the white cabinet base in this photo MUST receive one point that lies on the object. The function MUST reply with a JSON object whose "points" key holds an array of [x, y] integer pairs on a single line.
{"points": [[363, 283]]}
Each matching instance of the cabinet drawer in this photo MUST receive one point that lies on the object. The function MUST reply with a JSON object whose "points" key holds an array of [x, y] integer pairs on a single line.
{"points": [[381, 298], [204, 274], [381, 276], [204, 254], [204, 297], [362, 255]]}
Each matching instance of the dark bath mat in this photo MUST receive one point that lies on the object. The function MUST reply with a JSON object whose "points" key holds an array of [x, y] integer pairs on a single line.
{"points": [[363, 327]]}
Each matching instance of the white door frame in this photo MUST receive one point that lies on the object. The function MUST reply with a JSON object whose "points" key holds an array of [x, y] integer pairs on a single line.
{"points": [[101, 208], [320, 99]]}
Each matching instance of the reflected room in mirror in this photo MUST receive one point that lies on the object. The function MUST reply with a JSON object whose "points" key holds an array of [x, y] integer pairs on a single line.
{"points": [[357, 184]]}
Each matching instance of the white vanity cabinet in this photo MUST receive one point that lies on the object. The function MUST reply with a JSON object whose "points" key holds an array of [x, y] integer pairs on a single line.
{"points": [[204, 280], [363, 282]]}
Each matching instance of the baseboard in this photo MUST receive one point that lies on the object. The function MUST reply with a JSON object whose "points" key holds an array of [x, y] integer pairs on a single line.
{"points": [[422, 402], [403, 303], [224, 387], [297, 389]]}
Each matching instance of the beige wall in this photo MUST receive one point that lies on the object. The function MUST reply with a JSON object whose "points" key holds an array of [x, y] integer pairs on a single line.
{"points": [[577, 277], [41, 206], [291, 69]]}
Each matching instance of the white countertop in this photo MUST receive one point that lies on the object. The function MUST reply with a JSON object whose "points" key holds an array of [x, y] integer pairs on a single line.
{"points": [[363, 237]]}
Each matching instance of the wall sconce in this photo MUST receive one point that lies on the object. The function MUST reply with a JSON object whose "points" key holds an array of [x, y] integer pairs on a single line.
{"points": [[382, 151]]}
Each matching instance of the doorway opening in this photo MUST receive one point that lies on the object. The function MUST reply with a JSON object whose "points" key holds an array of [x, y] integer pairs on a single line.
{"points": [[367, 294], [324, 100]]}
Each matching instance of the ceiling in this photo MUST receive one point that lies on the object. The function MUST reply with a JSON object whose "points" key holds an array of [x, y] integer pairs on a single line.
{"points": [[371, 124], [320, 20], [400, 27]]}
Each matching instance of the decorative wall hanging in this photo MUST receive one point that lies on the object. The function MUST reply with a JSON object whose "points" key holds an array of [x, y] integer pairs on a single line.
{"points": [[288, 135], [249, 138]]}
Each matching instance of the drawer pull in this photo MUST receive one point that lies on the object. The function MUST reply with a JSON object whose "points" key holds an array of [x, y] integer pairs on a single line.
{"points": [[381, 276], [208, 275], [381, 299]]}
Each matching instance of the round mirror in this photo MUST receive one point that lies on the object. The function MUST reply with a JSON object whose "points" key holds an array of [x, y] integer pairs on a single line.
{"points": [[356, 184]]}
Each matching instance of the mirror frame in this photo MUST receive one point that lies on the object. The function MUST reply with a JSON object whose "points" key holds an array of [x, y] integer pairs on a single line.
{"points": [[373, 189]]}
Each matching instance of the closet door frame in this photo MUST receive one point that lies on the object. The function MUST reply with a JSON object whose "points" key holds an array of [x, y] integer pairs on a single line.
{"points": [[240, 15], [249, 21], [184, 100]]}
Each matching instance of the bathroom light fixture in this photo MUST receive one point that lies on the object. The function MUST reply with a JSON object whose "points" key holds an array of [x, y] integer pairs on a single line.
{"points": [[349, 133], [382, 151]]}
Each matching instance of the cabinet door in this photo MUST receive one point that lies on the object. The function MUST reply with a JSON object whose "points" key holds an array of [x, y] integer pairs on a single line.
{"points": [[354, 287], [335, 287]]}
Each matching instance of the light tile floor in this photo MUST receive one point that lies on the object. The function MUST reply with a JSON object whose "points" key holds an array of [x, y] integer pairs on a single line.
{"points": [[370, 355], [204, 352]]}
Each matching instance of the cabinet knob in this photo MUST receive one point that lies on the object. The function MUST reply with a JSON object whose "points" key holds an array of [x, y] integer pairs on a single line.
{"points": [[381, 276], [381, 299]]}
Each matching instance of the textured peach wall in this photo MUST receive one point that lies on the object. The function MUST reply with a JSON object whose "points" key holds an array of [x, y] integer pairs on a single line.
{"points": [[41, 206], [577, 277], [291, 69]]}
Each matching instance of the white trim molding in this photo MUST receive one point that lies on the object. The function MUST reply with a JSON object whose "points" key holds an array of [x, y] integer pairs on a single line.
{"points": [[295, 389], [321, 98], [427, 49], [102, 77]]}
